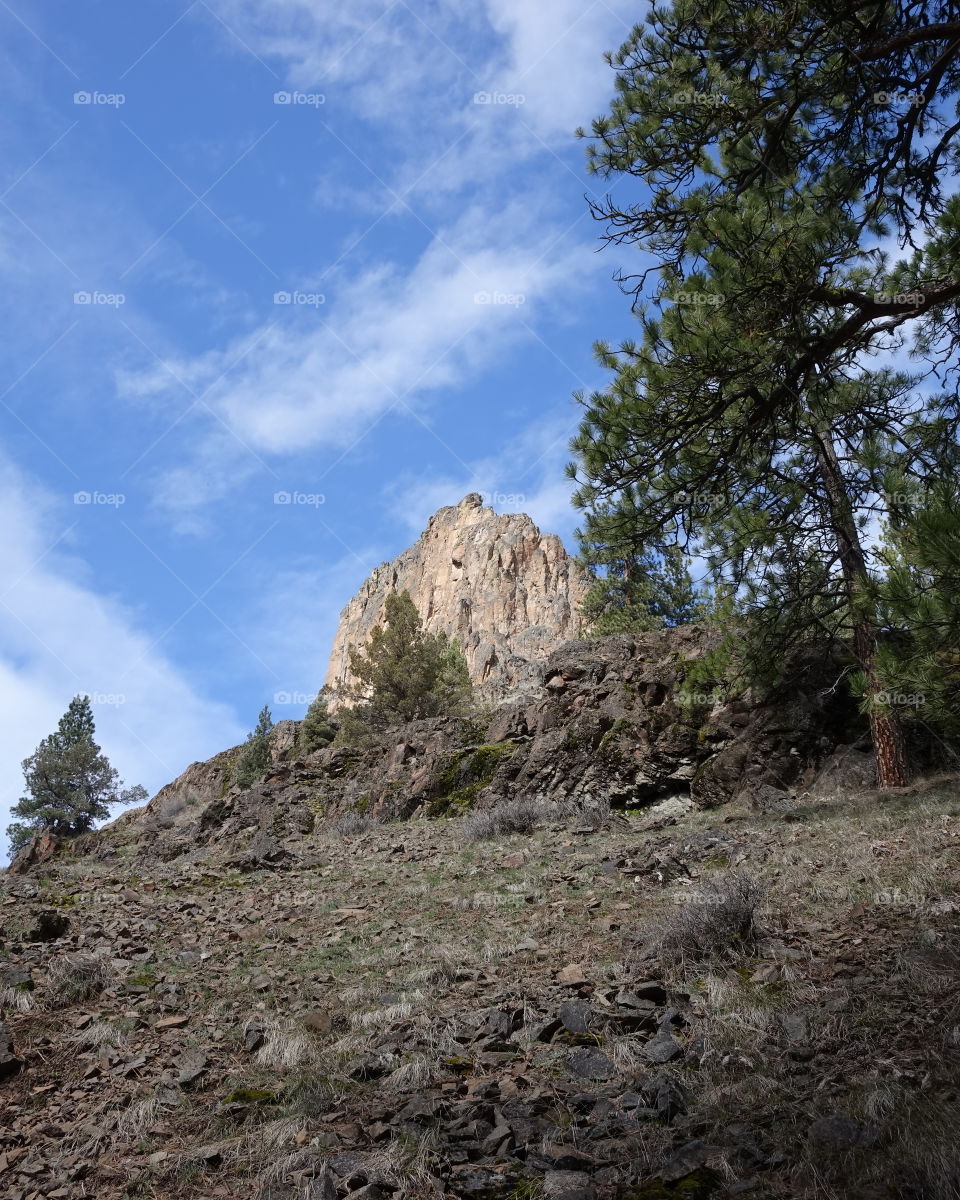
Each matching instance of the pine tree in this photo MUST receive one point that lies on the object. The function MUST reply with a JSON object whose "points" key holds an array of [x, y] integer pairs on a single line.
{"points": [[70, 783], [741, 424], [919, 603], [318, 728], [635, 588], [404, 674], [254, 758]]}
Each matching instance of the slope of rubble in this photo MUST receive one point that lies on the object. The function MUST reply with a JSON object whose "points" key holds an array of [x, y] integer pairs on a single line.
{"points": [[670, 1003]]}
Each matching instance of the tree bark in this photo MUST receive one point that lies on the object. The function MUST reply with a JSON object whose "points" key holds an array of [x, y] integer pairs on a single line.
{"points": [[886, 731]]}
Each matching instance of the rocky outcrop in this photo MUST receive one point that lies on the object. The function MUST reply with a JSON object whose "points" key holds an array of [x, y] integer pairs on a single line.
{"points": [[506, 592], [608, 723]]}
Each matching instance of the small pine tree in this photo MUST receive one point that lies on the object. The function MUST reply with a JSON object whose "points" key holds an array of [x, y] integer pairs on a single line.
{"points": [[642, 594], [254, 758], [317, 729], [70, 783], [404, 674]]}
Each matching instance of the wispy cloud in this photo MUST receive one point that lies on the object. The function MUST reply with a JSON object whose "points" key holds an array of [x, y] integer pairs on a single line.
{"points": [[526, 475], [60, 635], [315, 376]]}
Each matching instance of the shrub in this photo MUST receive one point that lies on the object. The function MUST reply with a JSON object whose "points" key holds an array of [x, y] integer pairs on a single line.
{"points": [[718, 922], [512, 816], [353, 824], [75, 978], [403, 674], [317, 729]]}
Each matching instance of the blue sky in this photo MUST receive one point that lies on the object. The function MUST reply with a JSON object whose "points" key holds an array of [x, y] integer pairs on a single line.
{"points": [[406, 178]]}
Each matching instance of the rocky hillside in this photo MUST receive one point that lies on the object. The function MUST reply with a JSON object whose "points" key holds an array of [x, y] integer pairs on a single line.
{"points": [[610, 941], [508, 593], [607, 721], [630, 1007]]}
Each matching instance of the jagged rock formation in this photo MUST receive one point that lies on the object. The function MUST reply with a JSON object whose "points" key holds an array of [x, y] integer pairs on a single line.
{"points": [[605, 724], [508, 593]]}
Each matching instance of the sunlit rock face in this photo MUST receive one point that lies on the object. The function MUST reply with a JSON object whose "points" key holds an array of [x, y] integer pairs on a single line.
{"points": [[508, 593]]}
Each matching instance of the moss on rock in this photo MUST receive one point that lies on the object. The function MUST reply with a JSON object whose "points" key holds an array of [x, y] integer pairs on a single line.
{"points": [[456, 785]]}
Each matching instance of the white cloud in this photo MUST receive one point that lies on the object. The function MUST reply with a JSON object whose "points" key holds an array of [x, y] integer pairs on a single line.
{"points": [[398, 59], [377, 49], [60, 636], [323, 376], [554, 57], [525, 475]]}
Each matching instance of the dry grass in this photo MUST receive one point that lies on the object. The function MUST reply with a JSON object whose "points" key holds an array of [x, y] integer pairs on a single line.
{"points": [[140, 1117], [411, 1075], [17, 999], [352, 824], [74, 978], [284, 1047], [97, 1034], [513, 816], [525, 815], [390, 1014], [717, 922]]}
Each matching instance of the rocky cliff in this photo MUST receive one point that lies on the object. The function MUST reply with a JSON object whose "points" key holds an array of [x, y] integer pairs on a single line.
{"points": [[508, 593], [606, 724]]}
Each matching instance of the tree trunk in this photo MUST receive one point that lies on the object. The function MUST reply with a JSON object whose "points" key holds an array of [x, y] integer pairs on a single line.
{"points": [[886, 731]]}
